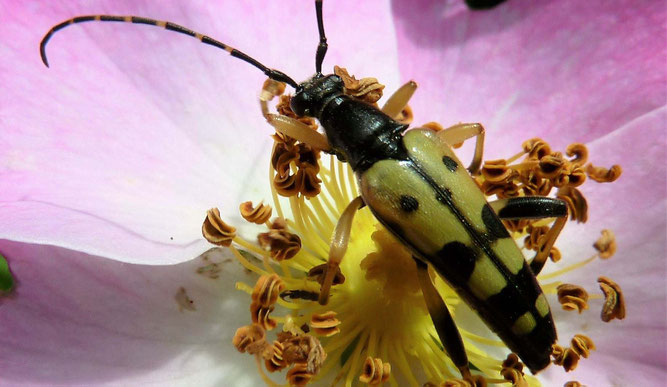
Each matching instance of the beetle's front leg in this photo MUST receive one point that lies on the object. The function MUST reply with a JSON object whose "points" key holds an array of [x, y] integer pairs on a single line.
{"points": [[399, 100], [535, 207], [286, 125], [330, 271], [458, 133], [444, 324]]}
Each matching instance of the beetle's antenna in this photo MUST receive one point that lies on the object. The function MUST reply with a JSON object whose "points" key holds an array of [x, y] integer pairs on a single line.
{"points": [[322, 46], [271, 73]]}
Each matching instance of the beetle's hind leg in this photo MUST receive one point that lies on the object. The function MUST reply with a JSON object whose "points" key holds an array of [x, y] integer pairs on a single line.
{"points": [[329, 274], [458, 133], [535, 207], [444, 324], [399, 100]]}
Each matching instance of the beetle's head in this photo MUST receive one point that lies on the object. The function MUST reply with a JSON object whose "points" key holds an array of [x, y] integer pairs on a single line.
{"points": [[311, 95]]}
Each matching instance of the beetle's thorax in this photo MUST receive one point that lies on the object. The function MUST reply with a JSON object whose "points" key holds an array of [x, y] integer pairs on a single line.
{"points": [[357, 131]]}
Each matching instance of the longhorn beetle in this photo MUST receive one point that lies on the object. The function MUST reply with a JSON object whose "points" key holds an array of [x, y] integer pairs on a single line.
{"points": [[418, 189]]}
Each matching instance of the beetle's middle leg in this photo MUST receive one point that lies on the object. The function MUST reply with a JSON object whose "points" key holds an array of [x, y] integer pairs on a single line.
{"points": [[399, 100], [535, 207], [458, 133], [444, 324], [330, 271]]}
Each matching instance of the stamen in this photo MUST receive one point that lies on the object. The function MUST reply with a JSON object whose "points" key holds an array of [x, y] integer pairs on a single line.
{"points": [[604, 175], [216, 231], [252, 339], [276, 362], [325, 324], [576, 203], [582, 345], [606, 244], [375, 371], [536, 148], [614, 302], [302, 349], [368, 90], [257, 215], [573, 383], [579, 151], [299, 375], [512, 371], [282, 244], [573, 297]]}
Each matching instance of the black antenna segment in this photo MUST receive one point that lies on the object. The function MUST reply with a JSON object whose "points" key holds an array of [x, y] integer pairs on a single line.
{"points": [[322, 46], [271, 73]]}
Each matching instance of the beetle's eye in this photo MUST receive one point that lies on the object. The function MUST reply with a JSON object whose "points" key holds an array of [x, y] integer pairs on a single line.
{"points": [[300, 103]]}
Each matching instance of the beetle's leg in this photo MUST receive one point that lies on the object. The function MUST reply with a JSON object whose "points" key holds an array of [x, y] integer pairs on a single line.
{"points": [[287, 125], [458, 133], [328, 271], [535, 207], [399, 100], [442, 319], [296, 129]]}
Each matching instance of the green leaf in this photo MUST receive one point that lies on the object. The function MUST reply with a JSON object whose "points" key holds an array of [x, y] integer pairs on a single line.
{"points": [[6, 278]]}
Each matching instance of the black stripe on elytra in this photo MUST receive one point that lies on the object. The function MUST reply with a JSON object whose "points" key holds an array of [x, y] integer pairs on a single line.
{"points": [[408, 203], [479, 239], [495, 227], [457, 263], [450, 163]]}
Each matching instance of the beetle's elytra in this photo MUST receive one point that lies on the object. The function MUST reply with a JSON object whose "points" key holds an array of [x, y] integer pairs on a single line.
{"points": [[418, 189]]}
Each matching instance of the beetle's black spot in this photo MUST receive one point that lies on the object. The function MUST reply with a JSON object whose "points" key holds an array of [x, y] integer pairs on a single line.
{"points": [[444, 196], [509, 303], [450, 163], [493, 224], [409, 203], [456, 262]]}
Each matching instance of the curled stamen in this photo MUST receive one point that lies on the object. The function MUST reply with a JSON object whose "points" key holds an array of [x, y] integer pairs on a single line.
{"points": [[496, 171], [565, 357], [573, 383], [304, 349], [267, 289], [572, 297], [325, 324], [257, 215], [501, 190], [282, 244], [535, 237], [614, 302], [260, 315], [512, 371], [368, 90], [375, 371], [604, 175], [536, 148], [552, 165], [299, 375], [579, 151], [216, 231], [582, 345], [576, 203], [276, 362], [476, 381], [252, 339], [606, 244]]}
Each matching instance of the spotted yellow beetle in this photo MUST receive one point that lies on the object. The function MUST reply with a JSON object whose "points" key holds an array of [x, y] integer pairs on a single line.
{"points": [[418, 189]]}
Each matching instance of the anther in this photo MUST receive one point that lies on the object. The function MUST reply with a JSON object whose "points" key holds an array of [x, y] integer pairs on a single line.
{"points": [[536, 148], [325, 324], [579, 151], [573, 383], [260, 315], [257, 215], [496, 171], [572, 297], [281, 243], [267, 289], [606, 244], [299, 375], [276, 362], [304, 349], [614, 302], [368, 90], [512, 371], [603, 175], [374, 371], [216, 231], [576, 203], [582, 345], [252, 339]]}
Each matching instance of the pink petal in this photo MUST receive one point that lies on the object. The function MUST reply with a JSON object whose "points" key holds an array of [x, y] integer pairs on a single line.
{"points": [[84, 320], [133, 133], [562, 70], [633, 207]]}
